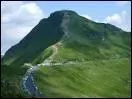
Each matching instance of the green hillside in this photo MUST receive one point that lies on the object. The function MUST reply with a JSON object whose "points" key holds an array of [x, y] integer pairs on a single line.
{"points": [[78, 40], [78, 30], [103, 78]]}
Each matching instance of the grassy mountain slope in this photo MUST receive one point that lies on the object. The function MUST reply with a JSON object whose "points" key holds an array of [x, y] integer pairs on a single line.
{"points": [[77, 39], [80, 32], [87, 40], [102, 78], [102, 69]]}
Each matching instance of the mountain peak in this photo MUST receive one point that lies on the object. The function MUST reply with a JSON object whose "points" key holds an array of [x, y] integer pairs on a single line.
{"points": [[64, 26], [62, 12], [59, 15]]}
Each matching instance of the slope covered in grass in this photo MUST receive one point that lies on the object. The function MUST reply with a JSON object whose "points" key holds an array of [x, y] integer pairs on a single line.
{"points": [[106, 78], [74, 51], [69, 28], [80, 40]]}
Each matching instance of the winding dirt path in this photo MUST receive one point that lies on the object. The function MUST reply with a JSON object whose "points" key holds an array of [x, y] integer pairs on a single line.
{"points": [[55, 50]]}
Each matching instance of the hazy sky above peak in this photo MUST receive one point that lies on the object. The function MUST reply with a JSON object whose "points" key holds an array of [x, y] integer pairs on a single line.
{"points": [[19, 17]]}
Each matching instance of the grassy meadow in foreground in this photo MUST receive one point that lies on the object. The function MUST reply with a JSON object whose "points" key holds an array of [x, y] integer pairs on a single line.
{"points": [[103, 78]]}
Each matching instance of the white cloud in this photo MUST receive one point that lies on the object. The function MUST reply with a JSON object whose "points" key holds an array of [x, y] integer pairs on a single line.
{"points": [[121, 20], [121, 3], [86, 16], [22, 13], [17, 19], [114, 19]]}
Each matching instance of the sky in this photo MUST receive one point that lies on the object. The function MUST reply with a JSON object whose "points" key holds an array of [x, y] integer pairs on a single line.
{"points": [[19, 17]]}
